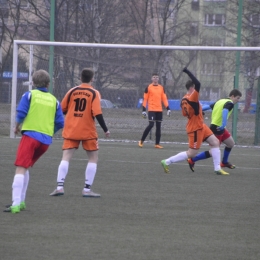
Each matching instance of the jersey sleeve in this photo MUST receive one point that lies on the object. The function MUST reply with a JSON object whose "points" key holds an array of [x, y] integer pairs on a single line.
{"points": [[96, 104], [164, 98], [229, 106], [146, 95]]}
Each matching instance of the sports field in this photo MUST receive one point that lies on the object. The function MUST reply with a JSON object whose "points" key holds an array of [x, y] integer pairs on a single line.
{"points": [[143, 213]]}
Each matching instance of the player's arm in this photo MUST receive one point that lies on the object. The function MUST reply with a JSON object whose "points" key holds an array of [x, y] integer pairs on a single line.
{"points": [[144, 114], [102, 123], [59, 119], [207, 107], [227, 107], [193, 78], [22, 110], [165, 102]]}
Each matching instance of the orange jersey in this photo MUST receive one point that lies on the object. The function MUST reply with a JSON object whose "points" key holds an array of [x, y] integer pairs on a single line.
{"points": [[154, 95], [192, 109], [81, 104]]}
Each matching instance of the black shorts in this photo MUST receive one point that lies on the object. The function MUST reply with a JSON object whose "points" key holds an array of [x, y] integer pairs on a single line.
{"points": [[155, 116]]}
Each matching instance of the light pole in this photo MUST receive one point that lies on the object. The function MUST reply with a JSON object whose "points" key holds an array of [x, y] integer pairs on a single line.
{"points": [[52, 21], [239, 25]]}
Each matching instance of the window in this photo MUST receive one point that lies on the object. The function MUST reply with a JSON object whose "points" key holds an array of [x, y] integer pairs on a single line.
{"points": [[214, 19], [3, 3], [4, 14], [195, 5], [214, 42], [255, 20], [194, 29], [211, 69], [22, 3]]}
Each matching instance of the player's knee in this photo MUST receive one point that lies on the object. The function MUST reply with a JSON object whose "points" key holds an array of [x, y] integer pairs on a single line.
{"points": [[151, 124]]}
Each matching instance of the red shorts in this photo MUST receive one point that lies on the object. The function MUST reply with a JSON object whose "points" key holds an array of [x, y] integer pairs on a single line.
{"points": [[88, 145], [196, 138], [29, 151], [223, 136]]}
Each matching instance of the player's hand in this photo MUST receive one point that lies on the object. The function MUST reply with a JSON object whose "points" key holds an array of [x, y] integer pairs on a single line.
{"points": [[144, 114], [168, 112], [220, 128], [107, 134], [17, 130], [185, 70]]}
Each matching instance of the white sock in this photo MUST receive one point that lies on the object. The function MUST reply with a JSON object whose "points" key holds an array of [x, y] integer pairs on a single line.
{"points": [[177, 158], [62, 173], [215, 152], [90, 173], [25, 185], [17, 189]]}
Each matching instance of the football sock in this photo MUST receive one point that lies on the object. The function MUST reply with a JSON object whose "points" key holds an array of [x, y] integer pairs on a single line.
{"points": [[201, 156], [90, 173], [215, 152], [177, 158], [62, 173], [227, 151], [17, 189], [25, 185]]}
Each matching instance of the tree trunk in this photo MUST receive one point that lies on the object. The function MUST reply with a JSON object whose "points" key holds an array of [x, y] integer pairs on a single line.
{"points": [[248, 99]]}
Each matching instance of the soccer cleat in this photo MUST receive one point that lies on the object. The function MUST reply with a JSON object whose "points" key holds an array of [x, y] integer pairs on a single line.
{"points": [[13, 209], [158, 146], [221, 172], [165, 166], [57, 192], [191, 164], [140, 144], [90, 194], [22, 205], [228, 165]]}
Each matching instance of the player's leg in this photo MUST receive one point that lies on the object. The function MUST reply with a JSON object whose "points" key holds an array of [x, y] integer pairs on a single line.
{"points": [[182, 155], [215, 152], [91, 147], [158, 122], [201, 156], [229, 142], [151, 118], [23, 161], [24, 190], [69, 147]]}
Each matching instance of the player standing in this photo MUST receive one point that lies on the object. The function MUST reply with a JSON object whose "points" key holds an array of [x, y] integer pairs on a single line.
{"points": [[40, 115], [221, 110], [196, 129], [81, 105], [154, 96]]}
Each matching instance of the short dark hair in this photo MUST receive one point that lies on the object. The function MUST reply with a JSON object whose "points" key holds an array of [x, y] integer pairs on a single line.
{"points": [[189, 84], [87, 75], [41, 78], [235, 93], [155, 74]]}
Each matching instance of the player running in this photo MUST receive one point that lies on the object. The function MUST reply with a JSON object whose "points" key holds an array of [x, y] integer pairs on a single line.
{"points": [[39, 113], [81, 105], [154, 96], [221, 110], [197, 131]]}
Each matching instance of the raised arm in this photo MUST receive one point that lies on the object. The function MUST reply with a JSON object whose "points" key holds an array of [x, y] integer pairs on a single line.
{"points": [[193, 78]]}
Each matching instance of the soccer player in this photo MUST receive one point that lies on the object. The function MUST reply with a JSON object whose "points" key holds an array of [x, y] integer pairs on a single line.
{"points": [[81, 105], [221, 110], [40, 115], [154, 95], [196, 129]]}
